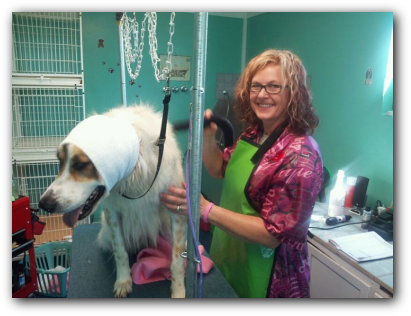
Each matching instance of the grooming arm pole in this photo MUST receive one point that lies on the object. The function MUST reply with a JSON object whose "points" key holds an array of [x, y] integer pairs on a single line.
{"points": [[200, 52], [119, 15]]}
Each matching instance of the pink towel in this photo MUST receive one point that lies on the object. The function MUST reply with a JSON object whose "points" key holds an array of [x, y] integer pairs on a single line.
{"points": [[153, 264], [50, 286]]}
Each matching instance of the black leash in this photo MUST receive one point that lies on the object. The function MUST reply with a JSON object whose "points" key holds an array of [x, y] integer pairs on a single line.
{"points": [[161, 139]]}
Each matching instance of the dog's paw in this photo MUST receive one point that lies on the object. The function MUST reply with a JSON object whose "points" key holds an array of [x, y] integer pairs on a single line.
{"points": [[178, 293], [123, 288]]}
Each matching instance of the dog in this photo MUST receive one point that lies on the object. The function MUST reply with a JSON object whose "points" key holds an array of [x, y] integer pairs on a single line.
{"points": [[107, 158]]}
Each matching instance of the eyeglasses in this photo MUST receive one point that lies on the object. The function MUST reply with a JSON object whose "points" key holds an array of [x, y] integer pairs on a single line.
{"points": [[269, 88]]}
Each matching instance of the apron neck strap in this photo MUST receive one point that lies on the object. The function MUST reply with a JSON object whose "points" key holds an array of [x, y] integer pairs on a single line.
{"points": [[267, 144]]}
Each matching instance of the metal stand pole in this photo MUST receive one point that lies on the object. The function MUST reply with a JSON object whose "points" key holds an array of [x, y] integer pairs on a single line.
{"points": [[200, 52], [119, 15]]}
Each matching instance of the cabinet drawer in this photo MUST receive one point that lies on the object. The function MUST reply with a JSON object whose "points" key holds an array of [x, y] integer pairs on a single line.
{"points": [[330, 279]]}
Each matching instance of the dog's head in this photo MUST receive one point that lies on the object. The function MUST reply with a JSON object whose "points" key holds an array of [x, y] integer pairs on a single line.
{"points": [[78, 188], [97, 154]]}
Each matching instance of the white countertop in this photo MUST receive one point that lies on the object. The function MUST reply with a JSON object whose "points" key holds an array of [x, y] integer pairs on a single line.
{"points": [[381, 271]]}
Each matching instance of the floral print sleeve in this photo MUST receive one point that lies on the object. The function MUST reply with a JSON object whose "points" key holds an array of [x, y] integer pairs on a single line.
{"points": [[285, 185], [287, 217], [288, 205]]}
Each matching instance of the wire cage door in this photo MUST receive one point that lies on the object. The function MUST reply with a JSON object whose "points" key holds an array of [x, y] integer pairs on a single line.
{"points": [[47, 43], [42, 118]]}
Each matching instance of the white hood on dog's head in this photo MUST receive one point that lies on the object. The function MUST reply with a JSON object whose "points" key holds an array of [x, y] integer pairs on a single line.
{"points": [[111, 143]]}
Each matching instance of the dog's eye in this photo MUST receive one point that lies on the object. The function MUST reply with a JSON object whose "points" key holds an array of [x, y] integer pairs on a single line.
{"points": [[80, 165]]}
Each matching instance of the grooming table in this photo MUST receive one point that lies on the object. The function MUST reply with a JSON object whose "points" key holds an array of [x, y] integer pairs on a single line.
{"points": [[93, 272]]}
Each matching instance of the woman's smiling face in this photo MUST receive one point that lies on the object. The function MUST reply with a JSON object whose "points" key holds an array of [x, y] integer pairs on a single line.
{"points": [[268, 107]]}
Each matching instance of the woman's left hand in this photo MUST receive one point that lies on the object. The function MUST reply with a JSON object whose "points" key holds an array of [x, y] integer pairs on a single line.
{"points": [[175, 200]]}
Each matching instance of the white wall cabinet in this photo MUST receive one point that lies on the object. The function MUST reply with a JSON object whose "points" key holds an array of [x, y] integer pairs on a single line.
{"points": [[332, 277]]}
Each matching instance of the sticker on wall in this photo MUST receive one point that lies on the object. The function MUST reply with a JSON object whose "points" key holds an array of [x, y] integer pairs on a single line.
{"points": [[111, 70], [368, 77], [100, 43], [180, 68]]}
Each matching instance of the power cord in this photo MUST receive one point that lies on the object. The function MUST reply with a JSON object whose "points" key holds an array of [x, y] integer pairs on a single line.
{"points": [[333, 227]]}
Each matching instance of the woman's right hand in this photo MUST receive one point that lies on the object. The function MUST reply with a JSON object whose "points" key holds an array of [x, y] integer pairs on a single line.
{"points": [[212, 155], [209, 131]]}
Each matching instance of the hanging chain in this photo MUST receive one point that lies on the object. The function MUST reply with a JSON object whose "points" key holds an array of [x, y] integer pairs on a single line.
{"points": [[130, 29], [136, 53]]}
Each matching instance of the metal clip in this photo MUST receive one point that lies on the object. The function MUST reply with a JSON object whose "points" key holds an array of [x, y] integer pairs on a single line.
{"points": [[185, 256], [160, 141], [167, 89]]}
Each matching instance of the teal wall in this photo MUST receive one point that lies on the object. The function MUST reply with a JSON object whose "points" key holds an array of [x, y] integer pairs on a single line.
{"points": [[337, 49]]}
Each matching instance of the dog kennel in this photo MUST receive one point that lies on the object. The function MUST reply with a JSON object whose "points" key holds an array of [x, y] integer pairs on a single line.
{"points": [[47, 102]]}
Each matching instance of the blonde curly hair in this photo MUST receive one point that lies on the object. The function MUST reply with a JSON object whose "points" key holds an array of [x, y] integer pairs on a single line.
{"points": [[300, 114]]}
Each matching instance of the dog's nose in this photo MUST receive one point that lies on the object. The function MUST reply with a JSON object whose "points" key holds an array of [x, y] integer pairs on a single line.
{"points": [[48, 203]]}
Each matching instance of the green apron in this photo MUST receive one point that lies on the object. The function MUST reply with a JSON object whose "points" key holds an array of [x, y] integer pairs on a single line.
{"points": [[246, 266]]}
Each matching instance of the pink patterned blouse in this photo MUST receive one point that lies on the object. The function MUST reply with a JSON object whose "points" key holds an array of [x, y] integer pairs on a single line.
{"points": [[283, 189]]}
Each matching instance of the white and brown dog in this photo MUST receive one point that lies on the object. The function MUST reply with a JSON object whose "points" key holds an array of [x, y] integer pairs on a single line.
{"points": [[115, 154]]}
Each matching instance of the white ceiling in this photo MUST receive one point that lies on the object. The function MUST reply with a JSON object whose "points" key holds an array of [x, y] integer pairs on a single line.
{"points": [[239, 15]]}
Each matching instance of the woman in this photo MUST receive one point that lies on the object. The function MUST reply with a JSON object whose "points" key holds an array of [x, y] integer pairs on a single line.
{"points": [[272, 176]]}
